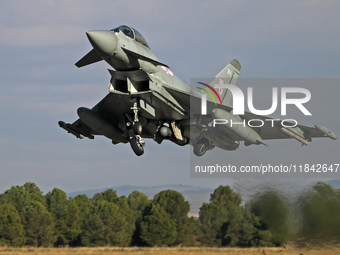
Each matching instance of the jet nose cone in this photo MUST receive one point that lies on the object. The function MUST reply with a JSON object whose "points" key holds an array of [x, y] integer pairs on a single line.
{"points": [[103, 41]]}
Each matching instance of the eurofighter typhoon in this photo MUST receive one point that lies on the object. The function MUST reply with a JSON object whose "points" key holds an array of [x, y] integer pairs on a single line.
{"points": [[147, 100]]}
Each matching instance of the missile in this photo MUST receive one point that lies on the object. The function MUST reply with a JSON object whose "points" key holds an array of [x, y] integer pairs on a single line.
{"points": [[69, 129], [235, 125], [99, 124], [294, 135], [326, 131]]}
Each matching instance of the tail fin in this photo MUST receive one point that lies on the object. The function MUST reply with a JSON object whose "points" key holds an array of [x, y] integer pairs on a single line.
{"points": [[227, 75]]}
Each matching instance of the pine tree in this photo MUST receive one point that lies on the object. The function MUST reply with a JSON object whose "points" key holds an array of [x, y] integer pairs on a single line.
{"points": [[320, 219], [39, 225], [66, 217], [11, 230], [157, 228], [175, 205], [220, 220]]}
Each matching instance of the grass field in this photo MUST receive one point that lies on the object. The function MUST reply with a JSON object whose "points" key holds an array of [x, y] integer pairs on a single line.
{"points": [[167, 251]]}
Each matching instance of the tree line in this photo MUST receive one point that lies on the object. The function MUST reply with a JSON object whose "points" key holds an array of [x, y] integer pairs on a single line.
{"points": [[27, 217]]}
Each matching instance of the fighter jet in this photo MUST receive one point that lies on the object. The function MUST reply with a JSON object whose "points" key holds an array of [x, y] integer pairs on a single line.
{"points": [[147, 100]]}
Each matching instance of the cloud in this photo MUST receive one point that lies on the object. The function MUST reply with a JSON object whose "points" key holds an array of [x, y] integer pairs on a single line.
{"points": [[233, 23], [40, 36]]}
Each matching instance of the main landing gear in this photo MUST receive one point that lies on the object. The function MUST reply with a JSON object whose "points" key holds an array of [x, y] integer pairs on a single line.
{"points": [[166, 130], [137, 144], [201, 147], [202, 144]]}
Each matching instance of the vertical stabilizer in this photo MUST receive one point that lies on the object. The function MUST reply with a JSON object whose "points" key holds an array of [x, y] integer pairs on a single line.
{"points": [[227, 75]]}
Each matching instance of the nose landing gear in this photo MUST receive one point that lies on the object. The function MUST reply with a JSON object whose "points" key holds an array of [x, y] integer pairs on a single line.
{"points": [[137, 128], [137, 142]]}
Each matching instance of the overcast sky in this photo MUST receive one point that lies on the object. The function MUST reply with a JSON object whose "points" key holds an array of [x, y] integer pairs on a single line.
{"points": [[39, 84]]}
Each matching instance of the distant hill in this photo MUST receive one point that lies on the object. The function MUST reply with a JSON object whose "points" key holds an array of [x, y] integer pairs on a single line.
{"points": [[195, 195], [335, 183]]}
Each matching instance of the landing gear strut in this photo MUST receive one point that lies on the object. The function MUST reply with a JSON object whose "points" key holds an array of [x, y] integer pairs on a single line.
{"points": [[137, 126], [137, 143]]}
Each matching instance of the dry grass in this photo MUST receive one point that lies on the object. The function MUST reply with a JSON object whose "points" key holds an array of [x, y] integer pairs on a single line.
{"points": [[167, 251]]}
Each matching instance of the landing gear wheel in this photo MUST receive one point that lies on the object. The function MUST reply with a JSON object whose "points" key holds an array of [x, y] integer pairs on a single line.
{"points": [[136, 146], [200, 149], [137, 128]]}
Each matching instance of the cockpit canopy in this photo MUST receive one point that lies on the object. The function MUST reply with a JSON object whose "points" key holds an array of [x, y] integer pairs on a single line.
{"points": [[132, 33]]}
